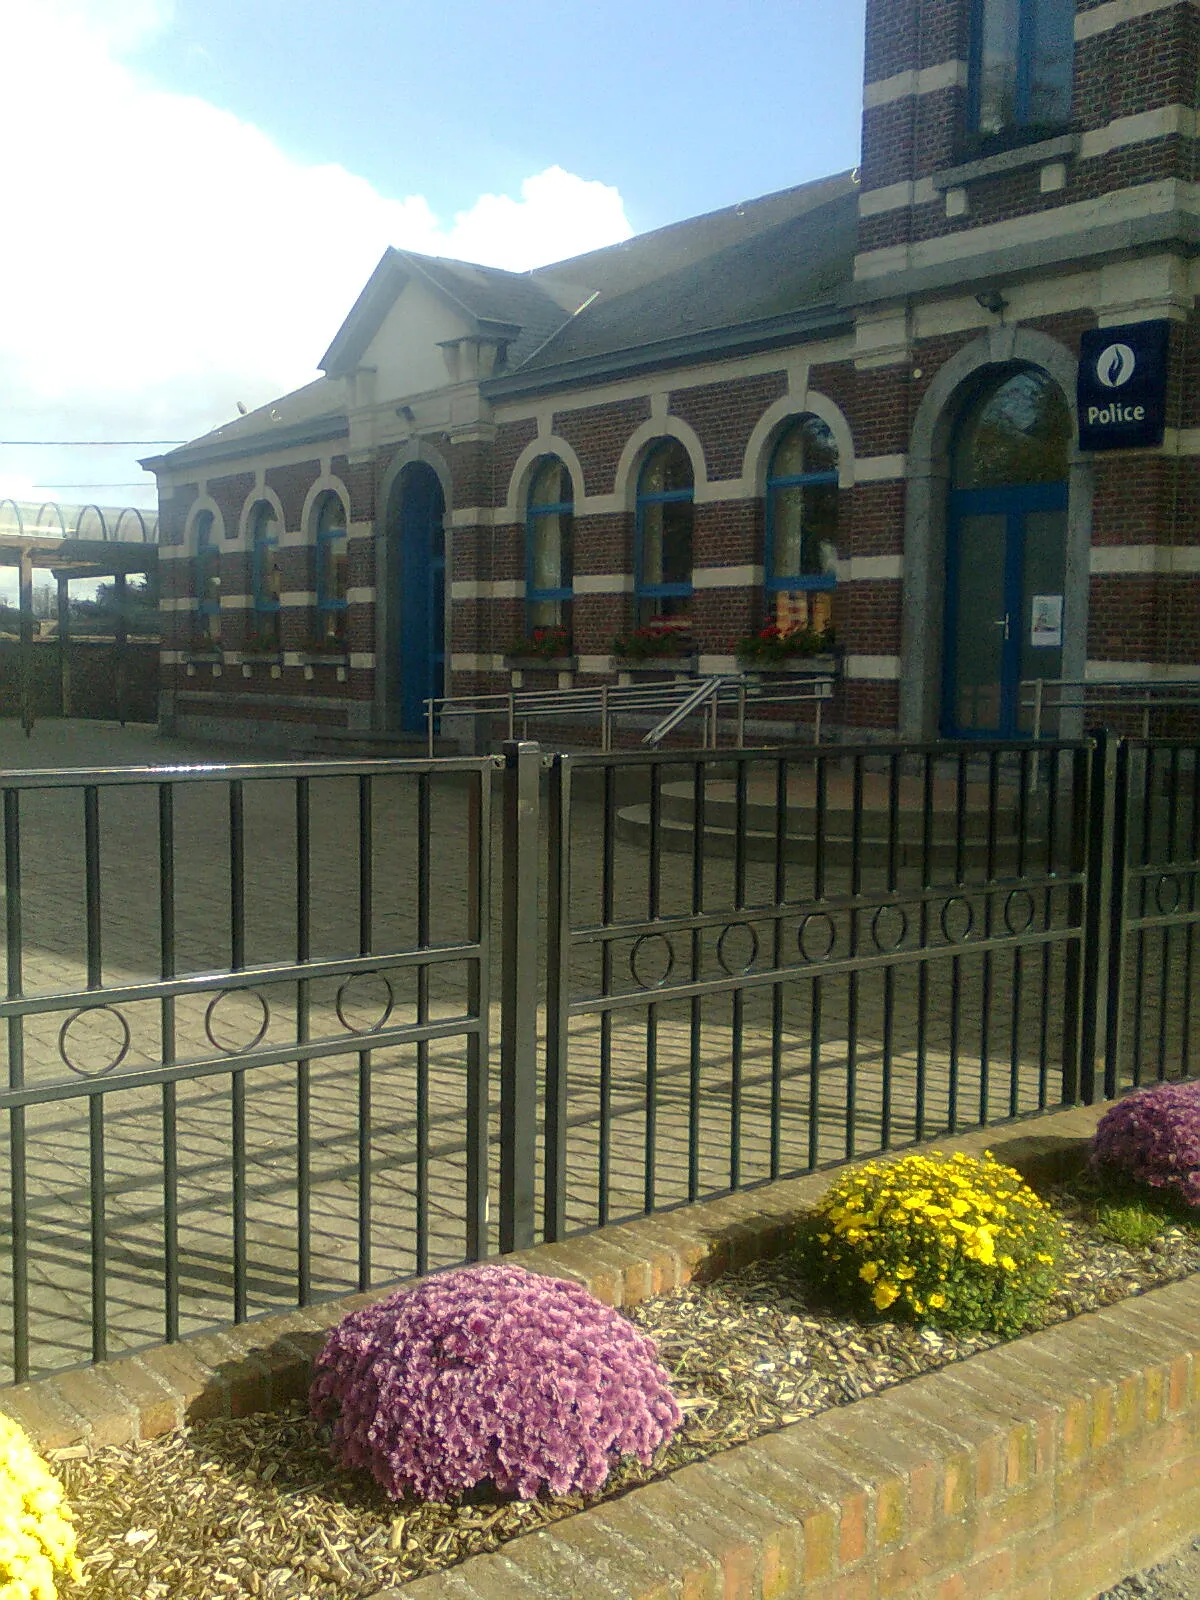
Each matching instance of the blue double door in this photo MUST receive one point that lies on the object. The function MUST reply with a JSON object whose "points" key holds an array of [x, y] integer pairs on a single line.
{"points": [[418, 566], [1005, 607]]}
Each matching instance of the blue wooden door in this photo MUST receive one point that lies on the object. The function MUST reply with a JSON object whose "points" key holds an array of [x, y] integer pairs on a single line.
{"points": [[1005, 575], [422, 580]]}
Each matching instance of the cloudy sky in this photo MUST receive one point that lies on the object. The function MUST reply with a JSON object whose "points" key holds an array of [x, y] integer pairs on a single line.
{"points": [[196, 190]]}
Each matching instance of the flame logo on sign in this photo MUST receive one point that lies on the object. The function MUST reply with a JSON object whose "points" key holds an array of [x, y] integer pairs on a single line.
{"points": [[1114, 366]]}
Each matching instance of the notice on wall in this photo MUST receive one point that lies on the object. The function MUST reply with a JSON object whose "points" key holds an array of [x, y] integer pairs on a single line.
{"points": [[1045, 626]]}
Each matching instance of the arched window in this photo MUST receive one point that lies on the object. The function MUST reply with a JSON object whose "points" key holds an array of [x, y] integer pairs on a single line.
{"points": [[333, 564], [802, 524], [549, 554], [663, 534], [1022, 58], [1017, 431], [208, 582], [266, 576]]}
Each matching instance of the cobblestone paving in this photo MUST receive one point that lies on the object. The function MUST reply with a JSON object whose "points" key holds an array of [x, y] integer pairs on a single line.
{"points": [[991, 1034]]}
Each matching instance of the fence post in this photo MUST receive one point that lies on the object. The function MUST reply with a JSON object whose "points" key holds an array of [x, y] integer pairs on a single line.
{"points": [[518, 993], [1103, 875], [558, 951]]}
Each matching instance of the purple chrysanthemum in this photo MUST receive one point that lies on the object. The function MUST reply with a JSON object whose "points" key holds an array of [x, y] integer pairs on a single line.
{"points": [[491, 1373], [1153, 1136]]}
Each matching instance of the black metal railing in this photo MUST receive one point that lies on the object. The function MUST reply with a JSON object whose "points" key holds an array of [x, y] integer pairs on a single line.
{"points": [[240, 1072], [249, 1010], [788, 958]]}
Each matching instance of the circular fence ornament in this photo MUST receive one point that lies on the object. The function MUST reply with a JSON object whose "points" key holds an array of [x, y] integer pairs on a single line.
{"points": [[727, 956], [889, 928], [211, 1017], [117, 1048], [957, 919], [346, 1000], [640, 955], [815, 927], [1019, 911], [1167, 894]]}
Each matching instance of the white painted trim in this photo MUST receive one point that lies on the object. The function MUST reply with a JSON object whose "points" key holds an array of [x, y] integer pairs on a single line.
{"points": [[172, 658], [177, 602], [1100, 19], [488, 589], [1120, 205], [325, 484], [202, 502], [256, 495], [587, 394], [880, 469], [726, 577], [362, 658], [636, 446], [1167, 560], [602, 583], [1140, 671], [549, 444], [928, 80], [360, 595], [708, 665], [594, 663], [298, 597], [896, 197], [801, 401], [870, 569], [873, 667], [467, 661], [1159, 123]]}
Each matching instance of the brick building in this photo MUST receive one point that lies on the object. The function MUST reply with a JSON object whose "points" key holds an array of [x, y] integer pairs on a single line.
{"points": [[855, 399]]}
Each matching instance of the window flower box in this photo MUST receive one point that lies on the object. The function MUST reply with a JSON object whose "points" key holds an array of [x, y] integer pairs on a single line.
{"points": [[778, 649]]}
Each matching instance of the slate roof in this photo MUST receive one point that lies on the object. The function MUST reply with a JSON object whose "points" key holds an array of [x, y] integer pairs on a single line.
{"points": [[792, 265], [763, 264]]}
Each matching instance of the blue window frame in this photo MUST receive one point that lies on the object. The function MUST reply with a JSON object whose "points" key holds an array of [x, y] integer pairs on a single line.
{"points": [[663, 534], [1022, 59], [265, 575], [549, 547], [208, 582], [802, 509], [333, 564]]}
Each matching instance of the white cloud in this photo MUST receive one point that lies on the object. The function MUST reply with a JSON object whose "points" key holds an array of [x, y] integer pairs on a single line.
{"points": [[171, 259]]}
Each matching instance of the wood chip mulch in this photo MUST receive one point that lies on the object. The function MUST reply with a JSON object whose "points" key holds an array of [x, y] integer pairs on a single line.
{"points": [[256, 1507]]}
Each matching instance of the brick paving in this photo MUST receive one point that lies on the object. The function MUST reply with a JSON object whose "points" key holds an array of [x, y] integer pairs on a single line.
{"points": [[688, 1120]]}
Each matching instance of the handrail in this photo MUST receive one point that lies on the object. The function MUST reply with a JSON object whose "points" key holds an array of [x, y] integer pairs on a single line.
{"points": [[704, 691], [1135, 694], [605, 700]]}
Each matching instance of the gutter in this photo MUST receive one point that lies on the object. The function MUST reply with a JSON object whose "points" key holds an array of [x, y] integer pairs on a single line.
{"points": [[313, 432], [818, 322]]}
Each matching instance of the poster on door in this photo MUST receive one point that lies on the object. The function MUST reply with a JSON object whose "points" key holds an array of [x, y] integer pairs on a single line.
{"points": [[1045, 626]]}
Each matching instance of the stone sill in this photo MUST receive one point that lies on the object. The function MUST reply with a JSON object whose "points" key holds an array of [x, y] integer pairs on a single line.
{"points": [[541, 663], [1055, 1465], [1040, 154]]}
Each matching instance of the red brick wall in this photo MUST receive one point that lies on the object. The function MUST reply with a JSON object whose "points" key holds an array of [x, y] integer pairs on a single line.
{"points": [[598, 434]]}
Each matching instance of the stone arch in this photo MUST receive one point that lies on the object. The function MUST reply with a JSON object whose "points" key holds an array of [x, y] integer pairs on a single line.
{"points": [[772, 423], [630, 465], [327, 483], [544, 445], [202, 503], [256, 497], [928, 473]]}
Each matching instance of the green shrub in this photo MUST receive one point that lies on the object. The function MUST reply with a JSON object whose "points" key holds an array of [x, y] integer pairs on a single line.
{"points": [[959, 1242]]}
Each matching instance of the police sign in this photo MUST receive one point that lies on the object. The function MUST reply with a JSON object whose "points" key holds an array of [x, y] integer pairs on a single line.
{"points": [[1121, 386]]}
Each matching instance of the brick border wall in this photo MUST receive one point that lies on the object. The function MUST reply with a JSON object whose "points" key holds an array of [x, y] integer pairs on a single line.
{"points": [[1041, 1470]]}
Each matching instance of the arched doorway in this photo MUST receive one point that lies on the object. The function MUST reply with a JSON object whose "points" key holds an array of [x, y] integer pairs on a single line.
{"points": [[1006, 551], [417, 565]]}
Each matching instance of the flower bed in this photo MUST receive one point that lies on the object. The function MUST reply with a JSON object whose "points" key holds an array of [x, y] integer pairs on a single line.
{"points": [[257, 1505]]}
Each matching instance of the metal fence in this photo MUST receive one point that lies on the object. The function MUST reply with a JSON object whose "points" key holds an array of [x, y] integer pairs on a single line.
{"points": [[249, 1010], [242, 1072]]}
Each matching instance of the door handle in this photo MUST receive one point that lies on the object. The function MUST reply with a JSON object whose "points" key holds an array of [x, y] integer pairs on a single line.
{"points": [[1002, 622]]}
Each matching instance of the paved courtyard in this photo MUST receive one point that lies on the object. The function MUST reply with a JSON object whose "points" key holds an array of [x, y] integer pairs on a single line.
{"points": [[687, 1082]]}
